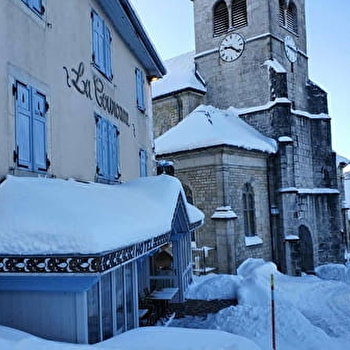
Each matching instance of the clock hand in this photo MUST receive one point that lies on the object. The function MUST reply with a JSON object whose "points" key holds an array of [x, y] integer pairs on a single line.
{"points": [[292, 48], [232, 48]]}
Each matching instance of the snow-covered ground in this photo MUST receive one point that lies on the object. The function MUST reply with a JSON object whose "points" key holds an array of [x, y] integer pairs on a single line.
{"points": [[312, 313]]}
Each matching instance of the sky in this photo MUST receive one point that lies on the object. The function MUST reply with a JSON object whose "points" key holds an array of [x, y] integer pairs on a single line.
{"points": [[169, 24]]}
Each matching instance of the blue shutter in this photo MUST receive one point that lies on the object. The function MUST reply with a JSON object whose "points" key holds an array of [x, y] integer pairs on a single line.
{"points": [[99, 157], [107, 50], [39, 131], [97, 40], [139, 90], [102, 147], [105, 148], [35, 5], [23, 126], [113, 152], [143, 163]]}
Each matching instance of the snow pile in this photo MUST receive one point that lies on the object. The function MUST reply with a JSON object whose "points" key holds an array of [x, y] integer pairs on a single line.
{"points": [[213, 127], [334, 272], [54, 216], [12, 339], [147, 338], [170, 338], [212, 287], [311, 313]]}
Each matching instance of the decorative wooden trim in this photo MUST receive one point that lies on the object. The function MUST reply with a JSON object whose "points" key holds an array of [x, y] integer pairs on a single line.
{"points": [[92, 263]]}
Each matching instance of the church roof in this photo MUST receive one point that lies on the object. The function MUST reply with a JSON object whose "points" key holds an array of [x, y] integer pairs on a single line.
{"points": [[208, 126], [55, 216], [181, 75]]}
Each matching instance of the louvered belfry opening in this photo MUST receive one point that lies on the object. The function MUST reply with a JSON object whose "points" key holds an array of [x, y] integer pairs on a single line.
{"points": [[291, 20], [221, 20], [239, 13], [282, 16], [288, 16]]}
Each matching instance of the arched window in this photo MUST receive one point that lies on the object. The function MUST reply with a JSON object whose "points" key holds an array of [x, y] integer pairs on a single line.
{"points": [[288, 15], [239, 13], [220, 14], [248, 210]]}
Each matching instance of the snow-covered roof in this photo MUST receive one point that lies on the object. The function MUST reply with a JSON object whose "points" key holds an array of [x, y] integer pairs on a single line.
{"points": [[208, 126], [181, 75], [55, 216], [275, 65], [342, 160]]}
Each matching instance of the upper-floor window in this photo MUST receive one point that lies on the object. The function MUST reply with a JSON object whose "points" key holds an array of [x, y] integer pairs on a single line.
{"points": [[288, 16], [143, 162], [36, 6], [239, 13], [107, 149], [248, 210], [101, 45], [140, 94], [30, 111], [221, 19]]}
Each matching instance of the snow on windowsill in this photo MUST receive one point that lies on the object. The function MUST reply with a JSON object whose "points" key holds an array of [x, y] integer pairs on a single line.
{"points": [[285, 139], [224, 213], [292, 238], [275, 65], [253, 240]]}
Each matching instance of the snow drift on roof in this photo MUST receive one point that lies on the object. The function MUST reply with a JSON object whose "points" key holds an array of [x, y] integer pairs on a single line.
{"points": [[181, 75], [208, 126], [54, 216]]}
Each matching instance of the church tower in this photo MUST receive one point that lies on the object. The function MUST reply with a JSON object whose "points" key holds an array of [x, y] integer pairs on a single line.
{"points": [[252, 56], [236, 39]]}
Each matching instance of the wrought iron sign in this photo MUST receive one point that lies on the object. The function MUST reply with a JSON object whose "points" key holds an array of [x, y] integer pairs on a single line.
{"points": [[95, 90], [82, 263]]}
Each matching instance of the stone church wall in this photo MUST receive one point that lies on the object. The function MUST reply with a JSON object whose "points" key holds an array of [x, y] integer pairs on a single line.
{"points": [[203, 172], [169, 111]]}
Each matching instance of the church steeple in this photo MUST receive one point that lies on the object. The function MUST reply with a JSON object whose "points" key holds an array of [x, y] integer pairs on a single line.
{"points": [[269, 29]]}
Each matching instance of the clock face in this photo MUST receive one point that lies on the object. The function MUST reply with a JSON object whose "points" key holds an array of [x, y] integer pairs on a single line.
{"points": [[231, 47], [290, 48]]}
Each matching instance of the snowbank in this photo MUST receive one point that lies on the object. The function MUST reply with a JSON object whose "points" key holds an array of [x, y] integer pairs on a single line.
{"points": [[311, 313], [148, 338], [212, 287], [170, 338], [334, 272]]}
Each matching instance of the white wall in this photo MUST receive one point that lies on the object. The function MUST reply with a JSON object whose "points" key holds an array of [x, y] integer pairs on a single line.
{"points": [[35, 50]]}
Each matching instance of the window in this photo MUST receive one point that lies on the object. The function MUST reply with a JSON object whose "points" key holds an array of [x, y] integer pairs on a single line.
{"points": [[221, 19], [140, 98], [30, 109], [101, 45], [143, 162], [107, 149], [36, 6], [248, 210], [288, 16], [239, 13]]}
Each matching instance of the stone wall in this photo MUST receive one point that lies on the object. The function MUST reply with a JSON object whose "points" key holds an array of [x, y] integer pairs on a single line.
{"points": [[204, 172]]}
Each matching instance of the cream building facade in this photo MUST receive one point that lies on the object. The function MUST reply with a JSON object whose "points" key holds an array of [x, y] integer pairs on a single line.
{"points": [[56, 65], [78, 249]]}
